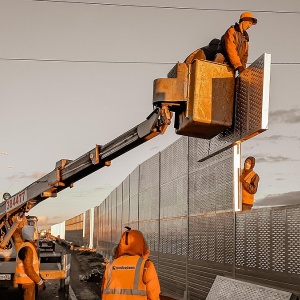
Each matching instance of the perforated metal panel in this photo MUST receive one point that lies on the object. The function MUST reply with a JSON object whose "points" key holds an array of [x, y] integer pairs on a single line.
{"points": [[150, 231], [149, 173], [126, 202], [211, 184], [264, 240], [173, 201], [174, 161], [119, 210], [113, 200], [172, 274], [134, 195], [174, 179], [252, 107], [149, 189], [174, 236], [279, 244], [96, 226], [293, 235], [230, 289]]}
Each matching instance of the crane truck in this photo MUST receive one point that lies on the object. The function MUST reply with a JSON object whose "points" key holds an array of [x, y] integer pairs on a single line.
{"points": [[201, 95]]}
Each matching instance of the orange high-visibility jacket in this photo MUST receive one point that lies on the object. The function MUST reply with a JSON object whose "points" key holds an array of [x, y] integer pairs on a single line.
{"points": [[124, 279], [249, 187], [20, 275], [131, 275], [235, 45]]}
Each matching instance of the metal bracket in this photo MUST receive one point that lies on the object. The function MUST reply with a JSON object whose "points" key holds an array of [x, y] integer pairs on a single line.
{"points": [[95, 155]]}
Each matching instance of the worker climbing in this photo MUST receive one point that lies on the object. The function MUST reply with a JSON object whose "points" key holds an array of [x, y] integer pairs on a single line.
{"points": [[233, 48]]}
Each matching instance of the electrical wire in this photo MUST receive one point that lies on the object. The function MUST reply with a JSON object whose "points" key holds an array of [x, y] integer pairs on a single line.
{"points": [[112, 61], [163, 7]]}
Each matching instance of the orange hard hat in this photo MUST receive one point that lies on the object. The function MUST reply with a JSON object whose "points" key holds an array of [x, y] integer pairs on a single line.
{"points": [[248, 16]]}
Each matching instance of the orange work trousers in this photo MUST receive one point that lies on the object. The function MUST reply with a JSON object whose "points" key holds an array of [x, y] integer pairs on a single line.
{"points": [[27, 291]]}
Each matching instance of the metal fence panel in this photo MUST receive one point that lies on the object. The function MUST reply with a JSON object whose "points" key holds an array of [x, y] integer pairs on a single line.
{"points": [[174, 161], [211, 184], [119, 196], [96, 226], [134, 195], [230, 289], [268, 247], [174, 180], [149, 189], [114, 232], [126, 202], [150, 230]]}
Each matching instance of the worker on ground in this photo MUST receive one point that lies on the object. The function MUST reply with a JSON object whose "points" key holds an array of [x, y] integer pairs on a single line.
{"points": [[249, 180], [28, 266], [205, 53], [234, 43], [131, 275]]}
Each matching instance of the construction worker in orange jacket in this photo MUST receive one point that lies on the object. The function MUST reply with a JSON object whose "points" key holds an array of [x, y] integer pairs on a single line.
{"points": [[131, 276], [234, 43], [28, 266], [249, 180]]}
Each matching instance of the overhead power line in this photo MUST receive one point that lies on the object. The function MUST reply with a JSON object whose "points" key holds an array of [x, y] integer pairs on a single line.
{"points": [[163, 7], [86, 61], [111, 61]]}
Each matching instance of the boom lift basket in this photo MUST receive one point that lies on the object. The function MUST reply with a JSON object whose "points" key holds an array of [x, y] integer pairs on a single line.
{"points": [[205, 92]]}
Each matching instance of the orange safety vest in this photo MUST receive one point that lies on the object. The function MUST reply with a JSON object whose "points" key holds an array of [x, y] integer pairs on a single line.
{"points": [[246, 196], [124, 279], [20, 275]]}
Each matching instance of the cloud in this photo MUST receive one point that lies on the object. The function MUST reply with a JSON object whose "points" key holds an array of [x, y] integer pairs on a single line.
{"points": [[272, 159], [290, 198], [43, 220], [291, 116]]}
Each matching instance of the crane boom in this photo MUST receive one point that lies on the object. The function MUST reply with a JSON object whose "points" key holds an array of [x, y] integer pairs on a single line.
{"points": [[67, 172]]}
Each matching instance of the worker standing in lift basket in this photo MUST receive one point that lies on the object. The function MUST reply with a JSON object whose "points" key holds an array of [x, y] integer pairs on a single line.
{"points": [[233, 48], [28, 266], [131, 275]]}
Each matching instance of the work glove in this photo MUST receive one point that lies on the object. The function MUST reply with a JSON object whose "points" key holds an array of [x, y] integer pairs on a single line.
{"points": [[241, 69], [42, 285]]}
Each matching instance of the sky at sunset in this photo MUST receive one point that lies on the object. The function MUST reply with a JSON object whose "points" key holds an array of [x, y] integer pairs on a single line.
{"points": [[74, 75]]}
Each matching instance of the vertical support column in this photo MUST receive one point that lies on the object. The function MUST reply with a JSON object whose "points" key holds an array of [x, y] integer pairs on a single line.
{"points": [[236, 177]]}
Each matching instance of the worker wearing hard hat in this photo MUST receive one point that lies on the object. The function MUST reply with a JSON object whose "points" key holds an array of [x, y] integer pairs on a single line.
{"points": [[131, 275], [234, 43], [28, 266], [249, 180]]}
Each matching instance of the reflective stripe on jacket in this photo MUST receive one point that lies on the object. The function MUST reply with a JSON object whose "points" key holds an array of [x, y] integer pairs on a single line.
{"points": [[246, 196], [20, 275], [124, 279]]}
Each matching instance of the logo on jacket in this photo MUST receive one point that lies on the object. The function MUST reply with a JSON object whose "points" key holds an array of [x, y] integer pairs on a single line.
{"points": [[123, 268]]}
